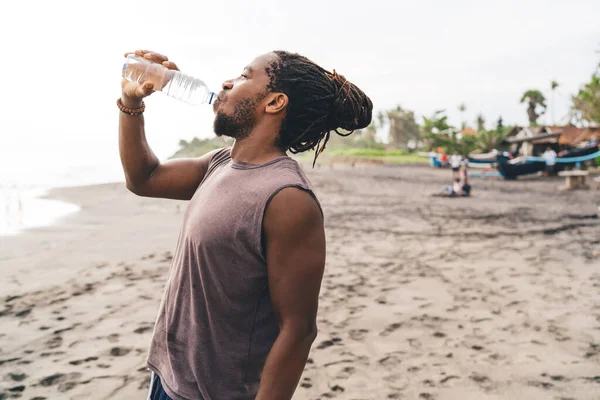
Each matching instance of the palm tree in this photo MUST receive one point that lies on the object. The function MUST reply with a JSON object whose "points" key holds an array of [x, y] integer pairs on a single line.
{"points": [[438, 133], [553, 86], [462, 108], [403, 127], [534, 99], [480, 123], [489, 140]]}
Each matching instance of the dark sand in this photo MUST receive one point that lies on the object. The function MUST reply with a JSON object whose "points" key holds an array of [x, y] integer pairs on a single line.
{"points": [[491, 297]]}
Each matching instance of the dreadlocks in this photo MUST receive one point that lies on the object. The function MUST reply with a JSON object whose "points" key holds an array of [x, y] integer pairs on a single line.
{"points": [[319, 102]]}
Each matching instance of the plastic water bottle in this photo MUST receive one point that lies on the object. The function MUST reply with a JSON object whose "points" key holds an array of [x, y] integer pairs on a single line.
{"points": [[171, 82]]}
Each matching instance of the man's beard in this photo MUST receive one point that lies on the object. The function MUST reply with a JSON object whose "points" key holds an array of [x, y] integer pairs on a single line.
{"points": [[240, 123]]}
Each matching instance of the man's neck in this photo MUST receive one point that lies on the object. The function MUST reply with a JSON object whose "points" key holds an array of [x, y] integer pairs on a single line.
{"points": [[254, 149]]}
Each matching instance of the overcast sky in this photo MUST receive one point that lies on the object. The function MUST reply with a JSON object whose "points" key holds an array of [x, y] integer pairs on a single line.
{"points": [[62, 59]]}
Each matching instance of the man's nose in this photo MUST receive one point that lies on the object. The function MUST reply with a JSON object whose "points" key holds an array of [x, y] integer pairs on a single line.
{"points": [[227, 85]]}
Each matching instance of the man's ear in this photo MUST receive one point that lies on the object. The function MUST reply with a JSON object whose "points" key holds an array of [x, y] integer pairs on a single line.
{"points": [[276, 103]]}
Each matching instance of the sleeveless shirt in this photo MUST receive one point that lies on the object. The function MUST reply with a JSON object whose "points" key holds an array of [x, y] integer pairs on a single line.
{"points": [[216, 324]]}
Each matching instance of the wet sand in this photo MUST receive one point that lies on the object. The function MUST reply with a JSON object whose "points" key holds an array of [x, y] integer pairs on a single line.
{"points": [[491, 297]]}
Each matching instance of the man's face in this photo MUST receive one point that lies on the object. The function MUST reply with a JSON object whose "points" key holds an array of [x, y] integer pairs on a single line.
{"points": [[239, 104]]}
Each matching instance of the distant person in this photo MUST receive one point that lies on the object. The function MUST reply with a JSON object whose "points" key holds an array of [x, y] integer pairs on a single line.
{"points": [[457, 187], [464, 167], [444, 159], [238, 315], [550, 157], [466, 187], [455, 162]]}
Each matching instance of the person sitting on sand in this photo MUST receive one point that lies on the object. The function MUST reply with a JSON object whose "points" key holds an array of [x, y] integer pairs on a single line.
{"points": [[457, 187], [451, 191], [238, 314]]}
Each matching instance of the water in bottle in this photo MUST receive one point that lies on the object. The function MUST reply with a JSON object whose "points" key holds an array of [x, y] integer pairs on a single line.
{"points": [[171, 82]]}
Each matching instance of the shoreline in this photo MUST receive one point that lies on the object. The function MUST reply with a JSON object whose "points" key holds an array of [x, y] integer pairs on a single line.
{"points": [[40, 207]]}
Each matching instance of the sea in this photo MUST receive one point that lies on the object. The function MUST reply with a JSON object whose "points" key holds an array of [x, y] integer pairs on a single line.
{"points": [[27, 177], [22, 191], [52, 150]]}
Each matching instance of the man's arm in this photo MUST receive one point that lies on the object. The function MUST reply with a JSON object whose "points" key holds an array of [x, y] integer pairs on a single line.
{"points": [[145, 175], [295, 246]]}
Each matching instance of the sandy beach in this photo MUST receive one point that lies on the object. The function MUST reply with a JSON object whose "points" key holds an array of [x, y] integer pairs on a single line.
{"points": [[491, 297]]}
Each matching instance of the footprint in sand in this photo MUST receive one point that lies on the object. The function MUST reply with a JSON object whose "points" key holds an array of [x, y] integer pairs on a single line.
{"points": [[55, 342], [113, 338], [337, 388], [346, 373], [144, 383], [17, 377], [358, 334], [482, 380], [88, 287], [65, 382], [23, 313], [391, 359], [52, 379], [143, 329], [119, 351], [77, 362], [448, 378], [390, 328], [17, 389], [56, 332], [326, 343], [6, 311], [558, 378], [539, 384], [101, 265], [167, 256]]}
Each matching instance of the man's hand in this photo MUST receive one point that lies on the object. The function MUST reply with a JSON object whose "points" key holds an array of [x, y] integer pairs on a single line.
{"points": [[133, 93]]}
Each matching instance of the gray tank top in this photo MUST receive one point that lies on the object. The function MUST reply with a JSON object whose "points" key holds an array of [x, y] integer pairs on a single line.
{"points": [[216, 323]]}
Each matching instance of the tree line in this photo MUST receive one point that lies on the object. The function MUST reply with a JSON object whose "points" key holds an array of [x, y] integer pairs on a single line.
{"points": [[435, 131]]}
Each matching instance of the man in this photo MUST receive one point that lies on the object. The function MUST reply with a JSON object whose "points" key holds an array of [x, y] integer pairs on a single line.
{"points": [[238, 314], [550, 156]]}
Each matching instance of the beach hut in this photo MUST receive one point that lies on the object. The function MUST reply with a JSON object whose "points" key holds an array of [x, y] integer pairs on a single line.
{"points": [[577, 137], [533, 140]]}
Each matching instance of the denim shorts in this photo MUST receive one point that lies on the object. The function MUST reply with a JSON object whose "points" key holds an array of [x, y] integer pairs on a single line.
{"points": [[156, 391]]}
